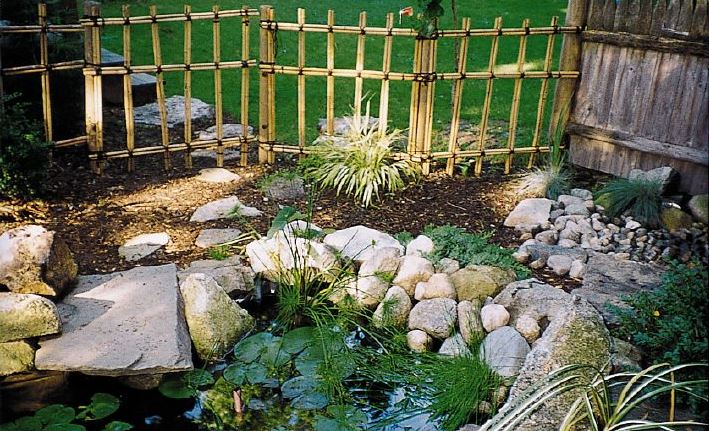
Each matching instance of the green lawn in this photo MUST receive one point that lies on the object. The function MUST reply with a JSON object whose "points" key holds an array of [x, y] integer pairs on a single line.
{"points": [[482, 13]]}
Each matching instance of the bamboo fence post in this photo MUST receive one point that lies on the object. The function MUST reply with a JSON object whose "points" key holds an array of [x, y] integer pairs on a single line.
{"points": [[187, 78], [44, 61], [457, 97], [160, 87], [330, 101], [128, 90], [576, 15], [422, 98], [516, 96], [301, 80], [92, 85], [536, 138], [488, 97], [359, 67], [219, 112], [266, 90], [386, 68], [244, 87]]}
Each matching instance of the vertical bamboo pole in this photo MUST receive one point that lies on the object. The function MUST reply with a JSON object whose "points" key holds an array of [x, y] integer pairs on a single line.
{"points": [[458, 97], [219, 113], [44, 61], [576, 15], [272, 92], [422, 98], [543, 94], [516, 96], [266, 94], [157, 58], [330, 102], [244, 87], [301, 80], [488, 97], [187, 78], [386, 68], [92, 86], [359, 67], [128, 90]]}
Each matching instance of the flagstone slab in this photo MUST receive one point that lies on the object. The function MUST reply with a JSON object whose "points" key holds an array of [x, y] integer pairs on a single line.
{"points": [[126, 323]]}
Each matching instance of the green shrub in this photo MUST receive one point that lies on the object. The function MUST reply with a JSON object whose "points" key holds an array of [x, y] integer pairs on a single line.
{"points": [[641, 198], [24, 156], [470, 249]]}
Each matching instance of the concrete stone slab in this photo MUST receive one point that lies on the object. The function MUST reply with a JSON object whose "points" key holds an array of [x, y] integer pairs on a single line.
{"points": [[211, 237], [222, 208], [125, 323], [143, 245]]}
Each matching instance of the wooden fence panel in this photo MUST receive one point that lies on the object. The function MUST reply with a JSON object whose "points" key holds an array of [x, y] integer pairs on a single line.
{"points": [[642, 102]]}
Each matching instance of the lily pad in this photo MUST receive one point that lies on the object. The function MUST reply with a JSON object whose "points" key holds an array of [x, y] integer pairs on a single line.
{"points": [[251, 348], [310, 401], [235, 374], [297, 386], [176, 388], [298, 339], [102, 405], [256, 373], [55, 414], [198, 378]]}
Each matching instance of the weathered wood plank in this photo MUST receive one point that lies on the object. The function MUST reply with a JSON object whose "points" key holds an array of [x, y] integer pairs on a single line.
{"points": [[681, 127], [655, 43], [651, 68], [672, 15], [595, 14], [632, 21], [609, 15], [621, 16], [617, 103], [644, 20], [607, 76], [684, 21], [590, 66], [700, 103], [658, 17], [699, 20]]}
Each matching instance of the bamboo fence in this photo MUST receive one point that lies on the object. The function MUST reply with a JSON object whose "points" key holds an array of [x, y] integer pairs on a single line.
{"points": [[423, 76]]}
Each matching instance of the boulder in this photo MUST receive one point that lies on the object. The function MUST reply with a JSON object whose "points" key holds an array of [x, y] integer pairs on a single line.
{"points": [[625, 357], [216, 175], [560, 263], [581, 193], [230, 154], [574, 334], [577, 270], [530, 211], [229, 130], [447, 266], [420, 246], [223, 208], [528, 327], [469, 323], [480, 281], [674, 219], [302, 229], [698, 206], [213, 237], [143, 245], [286, 189], [125, 323], [383, 261], [607, 280], [568, 200], [412, 270], [494, 316], [454, 346], [418, 341], [438, 286], [359, 242], [272, 257], [16, 357], [436, 317], [394, 308], [35, 260], [215, 321], [230, 274], [580, 209], [26, 316], [367, 291], [175, 106], [504, 350], [664, 176], [540, 251]]}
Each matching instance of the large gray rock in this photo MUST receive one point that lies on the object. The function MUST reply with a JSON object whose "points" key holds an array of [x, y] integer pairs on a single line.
{"points": [[143, 245], [175, 106], [360, 242], [394, 308], [529, 211], [664, 176], [436, 317], [504, 350], [420, 246], [413, 270], [438, 286], [223, 208], [215, 321], [274, 257], [542, 251], [286, 189], [125, 323], [34, 260], [607, 280], [699, 206], [231, 274], [367, 291], [575, 335], [211, 237], [384, 261], [454, 346], [480, 281], [16, 357], [26, 316], [229, 130]]}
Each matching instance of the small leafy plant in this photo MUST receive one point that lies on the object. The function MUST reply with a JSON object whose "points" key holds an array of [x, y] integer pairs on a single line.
{"points": [[640, 197]]}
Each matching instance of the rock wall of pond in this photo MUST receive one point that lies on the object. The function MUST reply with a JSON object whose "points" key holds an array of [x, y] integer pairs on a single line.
{"points": [[643, 99]]}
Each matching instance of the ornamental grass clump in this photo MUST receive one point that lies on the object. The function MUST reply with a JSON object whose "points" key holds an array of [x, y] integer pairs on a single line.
{"points": [[362, 168], [640, 198]]}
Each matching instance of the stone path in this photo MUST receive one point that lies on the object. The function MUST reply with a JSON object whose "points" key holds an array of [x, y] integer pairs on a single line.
{"points": [[143, 245], [127, 323], [222, 208]]}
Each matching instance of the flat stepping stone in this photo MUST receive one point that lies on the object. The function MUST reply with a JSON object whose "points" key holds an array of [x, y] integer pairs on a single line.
{"points": [[126, 323], [143, 245], [216, 175], [223, 208], [175, 106], [228, 131], [211, 237], [230, 154]]}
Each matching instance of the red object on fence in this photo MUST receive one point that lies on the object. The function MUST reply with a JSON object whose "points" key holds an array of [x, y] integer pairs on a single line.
{"points": [[407, 11]]}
